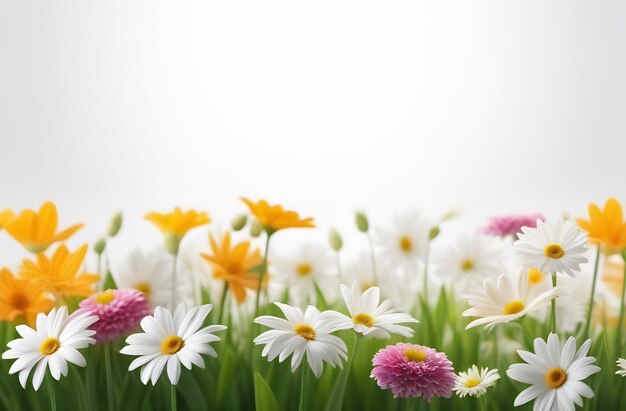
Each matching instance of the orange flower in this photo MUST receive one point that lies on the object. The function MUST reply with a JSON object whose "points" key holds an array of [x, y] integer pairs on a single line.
{"points": [[237, 265], [37, 231], [176, 224], [6, 216], [59, 274], [19, 301], [606, 226], [613, 274], [274, 217]]}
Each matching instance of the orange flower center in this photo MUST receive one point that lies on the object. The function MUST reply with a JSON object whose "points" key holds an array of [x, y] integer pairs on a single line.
{"points": [[556, 377], [304, 269], [305, 331], [406, 244], [414, 355], [144, 287], [554, 251], [535, 276], [19, 301], [467, 265], [49, 346], [363, 319], [172, 344], [513, 307], [105, 297]]}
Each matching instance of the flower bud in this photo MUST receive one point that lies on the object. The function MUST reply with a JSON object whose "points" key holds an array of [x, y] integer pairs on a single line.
{"points": [[434, 232], [99, 246], [335, 240], [239, 222], [255, 228], [361, 222], [115, 225]]}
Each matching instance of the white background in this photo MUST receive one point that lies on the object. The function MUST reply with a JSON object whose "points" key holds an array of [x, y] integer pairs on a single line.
{"points": [[326, 106]]}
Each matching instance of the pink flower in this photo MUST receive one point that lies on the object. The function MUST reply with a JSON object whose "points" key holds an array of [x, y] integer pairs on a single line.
{"points": [[511, 224], [413, 371], [119, 312]]}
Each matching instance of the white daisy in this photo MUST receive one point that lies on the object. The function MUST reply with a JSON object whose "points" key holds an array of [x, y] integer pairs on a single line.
{"points": [[405, 244], [506, 299], [171, 341], [54, 343], [470, 260], [553, 247], [301, 270], [621, 363], [555, 374], [309, 332], [474, 382], [371, 319]]}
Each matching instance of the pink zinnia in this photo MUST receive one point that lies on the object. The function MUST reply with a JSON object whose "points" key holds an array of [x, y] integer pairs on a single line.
{"points": [[119, 312], [511, 224], [413, 371]]}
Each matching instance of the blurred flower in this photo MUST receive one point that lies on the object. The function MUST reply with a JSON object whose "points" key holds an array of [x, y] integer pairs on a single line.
{"points": [[405, 244], [53, 344], [37, 231], [309, 332], [6, 216], [606, 226], [174, 225], [274, 217], [237, 265], [371, 319], [171, 340], [621, 364], [475, 383], [613, 274], [506, 300], [59, 274], [510, 225], [552, 247], [119, 312], [411, 370], [19, 301], [302, 269], [555, 374]]}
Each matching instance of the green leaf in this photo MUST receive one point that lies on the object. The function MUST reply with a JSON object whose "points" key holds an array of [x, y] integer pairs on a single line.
{"points": [[264, 399], [109, 282], [225, 379], [321, 301]]}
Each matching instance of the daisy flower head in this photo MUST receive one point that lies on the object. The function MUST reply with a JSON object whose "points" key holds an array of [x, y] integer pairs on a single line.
{"points": [[621, 364], [53, 344], [507, 299], [171, 340], [411, 370], [555, 373], [119, 312], [308, 332], [474, 382], [557, 247], [510, 225], [405, 243], [370, 317], [275, 217]]}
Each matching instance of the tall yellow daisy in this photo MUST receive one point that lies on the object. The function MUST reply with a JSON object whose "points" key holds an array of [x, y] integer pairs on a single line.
{"points": [[36, 231], [59, 274], [236, 264], [275, 217], [20, 302], [174, 225], [606, 226], [6, 216]]}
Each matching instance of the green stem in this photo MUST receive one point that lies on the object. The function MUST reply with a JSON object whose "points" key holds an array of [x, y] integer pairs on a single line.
{"points": [[262, 275], [553, 308], [109, 376], [174, 284], [51, 392], [173, 396], [425, 286], [223, 303], [593, 292], [335, 400], [304, 388], [620, 324]]}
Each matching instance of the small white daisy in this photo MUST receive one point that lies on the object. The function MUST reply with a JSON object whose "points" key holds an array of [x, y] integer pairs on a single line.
{"points": [[54, 343], [621, 363], [405, 244], [555, 374], [553, 247], [171, 341], [309, 332], [506, 299], [474, 382], [372, 319]]}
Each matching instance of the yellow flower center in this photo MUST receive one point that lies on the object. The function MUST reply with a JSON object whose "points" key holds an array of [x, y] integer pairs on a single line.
{"points": [[105, 297], [414, 355], [305, 331], [49, 346], [233, 267], [19, 301], [406, 244], [556, 377], [171, 345], [304, 269], [366, 286], [143, 287], [472, 382], [467, 265], [513, 307], [554, 251], [535, 276], [364, 319]]}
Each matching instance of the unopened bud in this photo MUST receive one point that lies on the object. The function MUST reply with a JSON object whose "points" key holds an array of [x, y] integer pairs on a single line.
{"points": [[239, 222], [361, 222], [434, 232], [335, 240], [255, 228], [115, 225], [99, 246]]}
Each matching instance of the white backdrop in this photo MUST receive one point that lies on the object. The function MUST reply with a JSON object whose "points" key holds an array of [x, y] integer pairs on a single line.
{"points": [[327, 106]]}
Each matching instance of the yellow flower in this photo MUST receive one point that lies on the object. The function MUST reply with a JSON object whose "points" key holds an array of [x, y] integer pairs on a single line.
{"points": [[606, 226], [37, 231], [59, 274], [6, 216], [274, 217], [19, 301], [236, 265], [175, 225]]}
